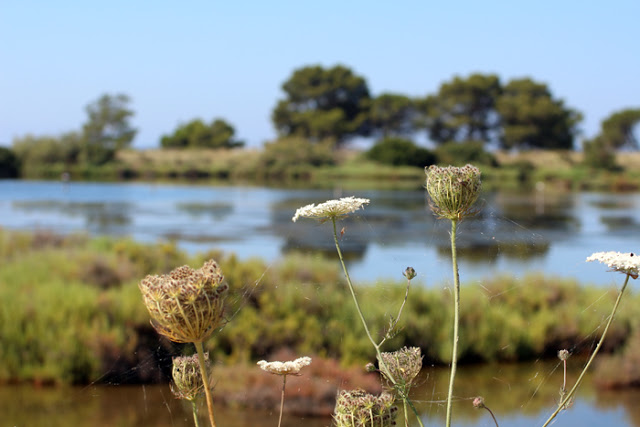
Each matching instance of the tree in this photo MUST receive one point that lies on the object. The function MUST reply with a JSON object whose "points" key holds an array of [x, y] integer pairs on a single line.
{"points": [[107, 128], [532, 118], [392, 114], [617, 130], [9, 164], [463, 109], [323, 103], [198, 134]]}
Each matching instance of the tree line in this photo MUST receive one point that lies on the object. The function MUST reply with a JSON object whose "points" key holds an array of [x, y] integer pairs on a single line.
{"points": [[334, 105]]}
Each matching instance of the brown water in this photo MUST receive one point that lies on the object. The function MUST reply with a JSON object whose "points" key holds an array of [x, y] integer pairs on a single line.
{"points": [[519, 395]]}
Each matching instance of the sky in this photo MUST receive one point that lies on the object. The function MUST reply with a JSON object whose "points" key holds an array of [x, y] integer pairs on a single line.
{"points": [[179, 61]]}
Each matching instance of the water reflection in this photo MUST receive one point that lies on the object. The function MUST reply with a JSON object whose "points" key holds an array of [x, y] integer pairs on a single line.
{"points": [[515, 233], [520, 395]]}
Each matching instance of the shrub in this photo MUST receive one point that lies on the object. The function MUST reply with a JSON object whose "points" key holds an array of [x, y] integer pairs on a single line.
{"points": [[9, 164], [461, 153], [400, 152]]}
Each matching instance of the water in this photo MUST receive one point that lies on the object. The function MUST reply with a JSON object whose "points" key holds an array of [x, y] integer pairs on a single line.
{"points": [[514, 234], [519, 395]]}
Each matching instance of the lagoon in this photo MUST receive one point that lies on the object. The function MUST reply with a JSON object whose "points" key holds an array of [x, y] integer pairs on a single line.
{"points": [[515, 233]]}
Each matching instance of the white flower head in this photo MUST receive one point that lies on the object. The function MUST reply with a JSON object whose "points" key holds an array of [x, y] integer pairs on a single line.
{"points": [[330, 209], [624, 262], [291, 367]]}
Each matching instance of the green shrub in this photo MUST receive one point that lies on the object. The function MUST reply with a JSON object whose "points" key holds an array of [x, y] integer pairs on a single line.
{"points": [[291, 156], [461, 153], [9, 164], [400, 152]]}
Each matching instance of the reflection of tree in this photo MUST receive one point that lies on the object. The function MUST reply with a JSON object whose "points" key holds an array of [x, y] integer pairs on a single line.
{"points": [[491, 250], [217, 210], [535, 210]]}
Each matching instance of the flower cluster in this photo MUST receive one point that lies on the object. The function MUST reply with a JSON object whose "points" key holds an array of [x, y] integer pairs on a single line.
{"points": [[403, 365], [291, 367], [187, 377], [330, 209], [628, 263], [453, 190], [186, 305], [356, 408]]}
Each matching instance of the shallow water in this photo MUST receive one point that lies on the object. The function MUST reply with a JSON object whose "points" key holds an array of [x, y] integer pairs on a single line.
{"points": [[519, 395], [514, 233]]}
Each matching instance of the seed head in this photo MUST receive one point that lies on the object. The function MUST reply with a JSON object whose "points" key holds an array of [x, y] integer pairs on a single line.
{"points": [[478, 402], [563, 355], [187, 378], [356, 408], [186, 305], [330, 209], [285, 368], [404, 365], [453, 190], [409, 273]]}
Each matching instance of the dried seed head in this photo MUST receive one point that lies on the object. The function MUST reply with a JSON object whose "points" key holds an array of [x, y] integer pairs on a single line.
{"points": [[187, 378], [356, 408], [563, 355], [404, 365], [291, 367], [186, 305], [453, 190], [409, 273], [478, 402]]}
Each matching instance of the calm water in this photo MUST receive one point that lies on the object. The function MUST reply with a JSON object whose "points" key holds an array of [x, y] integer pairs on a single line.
{"points": [[519, 395], [515, 233]]}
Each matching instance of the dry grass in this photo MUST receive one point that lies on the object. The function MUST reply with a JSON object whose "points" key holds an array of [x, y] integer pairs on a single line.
{"points": [[541, 158], [176, 158]]}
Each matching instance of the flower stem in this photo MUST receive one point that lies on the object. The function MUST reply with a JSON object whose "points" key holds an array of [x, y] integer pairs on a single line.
{"points": [[569, 395], [284, 383], [194, 408], [456, 318], [205, 380], [383, 366]]}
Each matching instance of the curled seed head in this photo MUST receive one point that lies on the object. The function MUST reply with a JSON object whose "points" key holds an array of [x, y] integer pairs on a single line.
{"points": [[403, 365], [409, 273], [361, 409], [186, 305], [187, 377], [453, 190]]}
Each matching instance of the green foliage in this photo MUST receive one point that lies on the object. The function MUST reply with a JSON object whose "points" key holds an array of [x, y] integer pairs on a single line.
{"points": [[463, 109], [9, 163], [294, 156], [35, 152], [197, 134], [532, 118], [107, 128], [323, 103], [617, 130], [400, 152], [392, 114], [461, 153], [599, 154]]}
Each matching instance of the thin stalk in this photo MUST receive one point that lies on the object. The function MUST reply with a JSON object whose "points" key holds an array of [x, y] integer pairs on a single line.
{"points": [[205, 380], [456, 318], [406, 414], [492, 416], [194, 409], [383, 366], [284, 383], [593, 355]]}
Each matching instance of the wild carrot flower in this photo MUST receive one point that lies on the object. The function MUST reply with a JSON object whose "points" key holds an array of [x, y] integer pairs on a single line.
{"points": [[453, 190], [187, 380], [628, 263], [403, 365], [330, 209], [291, 367], [356, 408], [186, 305]]}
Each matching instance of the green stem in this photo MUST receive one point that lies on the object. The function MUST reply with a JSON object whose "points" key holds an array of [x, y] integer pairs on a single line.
{"points": [[564, 402], [194, 408], [383, 366], [205, 380], [284, 383], [456, 318]]}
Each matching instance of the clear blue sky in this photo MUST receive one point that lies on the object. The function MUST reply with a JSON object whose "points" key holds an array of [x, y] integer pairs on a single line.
{"points": [[183, 60]]}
